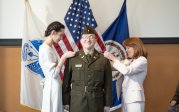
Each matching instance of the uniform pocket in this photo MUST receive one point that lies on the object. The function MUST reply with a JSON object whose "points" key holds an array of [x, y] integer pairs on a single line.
{"points": [[76, 93], [98, 74], [99, 95], [77, 73]]}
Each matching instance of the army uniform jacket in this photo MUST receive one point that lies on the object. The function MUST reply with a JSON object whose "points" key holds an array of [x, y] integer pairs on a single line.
{"points": [[87, 86]]}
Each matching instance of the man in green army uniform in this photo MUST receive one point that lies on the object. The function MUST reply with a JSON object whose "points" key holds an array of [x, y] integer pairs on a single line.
{"points": [[174, 104], [87, 84]]}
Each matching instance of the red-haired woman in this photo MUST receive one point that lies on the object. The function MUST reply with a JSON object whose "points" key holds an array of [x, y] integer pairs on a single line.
{"points": [[134, 69]]}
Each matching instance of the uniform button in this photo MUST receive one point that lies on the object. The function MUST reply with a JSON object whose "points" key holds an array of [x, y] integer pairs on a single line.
{"points": [[88, 68], [89, 75]]}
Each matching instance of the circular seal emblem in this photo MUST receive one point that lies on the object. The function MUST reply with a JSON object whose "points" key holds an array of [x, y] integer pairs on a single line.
{"points": [[116, 49]]}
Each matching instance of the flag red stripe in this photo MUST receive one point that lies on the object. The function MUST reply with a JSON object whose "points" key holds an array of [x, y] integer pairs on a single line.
{"points": [[67, 43], [79, 45], [61, 75], [60, 53], [100, 43], [59, 50]]}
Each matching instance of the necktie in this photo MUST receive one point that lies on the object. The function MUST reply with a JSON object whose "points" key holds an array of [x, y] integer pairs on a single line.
{"points": [[88, 57]]}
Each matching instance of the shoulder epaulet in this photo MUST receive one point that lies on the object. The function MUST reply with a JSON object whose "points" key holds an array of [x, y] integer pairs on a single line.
{"points": [[101, 52], [77, 53]]}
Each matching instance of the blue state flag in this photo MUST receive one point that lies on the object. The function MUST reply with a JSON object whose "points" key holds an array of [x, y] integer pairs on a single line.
{"points": [[113, 37]]}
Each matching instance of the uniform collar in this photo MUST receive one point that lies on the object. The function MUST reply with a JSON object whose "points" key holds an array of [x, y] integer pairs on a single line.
{"points": [[94, 56]]}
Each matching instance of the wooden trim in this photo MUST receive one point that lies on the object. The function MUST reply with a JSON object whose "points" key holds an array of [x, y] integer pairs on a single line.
{"points": [[172, 40]]}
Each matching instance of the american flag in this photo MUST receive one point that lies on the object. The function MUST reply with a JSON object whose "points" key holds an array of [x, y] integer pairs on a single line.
{"points": [[78, 15]]}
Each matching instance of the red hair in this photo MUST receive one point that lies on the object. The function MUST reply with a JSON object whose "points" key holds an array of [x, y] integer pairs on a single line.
{"points": [[138, 46]]}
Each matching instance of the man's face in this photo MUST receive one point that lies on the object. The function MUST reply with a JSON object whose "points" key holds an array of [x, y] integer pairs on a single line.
{"points": [[88, 41]]}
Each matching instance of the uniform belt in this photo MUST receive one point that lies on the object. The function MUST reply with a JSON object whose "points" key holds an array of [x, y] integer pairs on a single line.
{"points": [[86, 88]]}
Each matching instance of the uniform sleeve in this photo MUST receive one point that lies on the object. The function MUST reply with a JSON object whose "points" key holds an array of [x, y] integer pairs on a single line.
{"points": [[139, 65], [108, 84], [48, 65], [176, 96], [66, 87]]}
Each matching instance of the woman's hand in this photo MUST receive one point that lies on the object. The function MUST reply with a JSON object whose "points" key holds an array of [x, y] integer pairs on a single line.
{"points": [[106, 109], [173, 103], [109, 56], [66, 108], [68, 54]]}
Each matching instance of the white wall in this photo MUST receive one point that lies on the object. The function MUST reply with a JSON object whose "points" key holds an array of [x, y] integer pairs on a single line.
{"points": [[146, 18], [11, 18], [153, 18]]}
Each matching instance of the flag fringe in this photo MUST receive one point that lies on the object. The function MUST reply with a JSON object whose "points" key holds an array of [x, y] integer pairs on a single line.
{"points": [[115, 108], [35, 110]]}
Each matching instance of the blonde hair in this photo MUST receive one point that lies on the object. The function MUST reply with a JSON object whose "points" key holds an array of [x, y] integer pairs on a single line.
{"points": [[138, 46]]}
